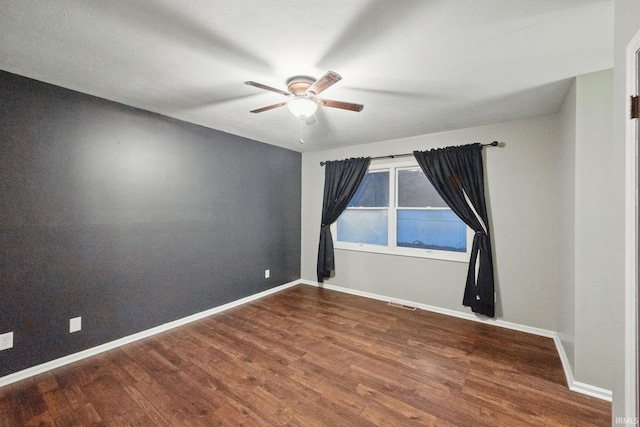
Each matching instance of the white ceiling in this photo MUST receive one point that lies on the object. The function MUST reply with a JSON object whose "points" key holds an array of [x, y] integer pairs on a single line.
{"points": [[418, 66]]}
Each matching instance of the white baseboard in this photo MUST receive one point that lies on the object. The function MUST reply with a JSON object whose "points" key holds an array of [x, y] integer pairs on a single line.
{"points": [[53, 364], [591, 390], [574, 385]]}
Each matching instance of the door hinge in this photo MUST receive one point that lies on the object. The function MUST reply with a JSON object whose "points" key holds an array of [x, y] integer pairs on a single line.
{"points": [[634, 107]]}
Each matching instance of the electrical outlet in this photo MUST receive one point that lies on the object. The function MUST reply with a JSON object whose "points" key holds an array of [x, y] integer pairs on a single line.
{"points": [[75, 324], [267, 274], [6, 341]]}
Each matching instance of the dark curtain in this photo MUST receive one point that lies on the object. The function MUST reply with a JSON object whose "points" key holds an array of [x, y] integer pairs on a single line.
{"points": [[341, 180], [454, 172]]}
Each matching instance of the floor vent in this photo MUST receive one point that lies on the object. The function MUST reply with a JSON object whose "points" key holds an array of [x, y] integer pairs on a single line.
{"points": [[406, 307]]}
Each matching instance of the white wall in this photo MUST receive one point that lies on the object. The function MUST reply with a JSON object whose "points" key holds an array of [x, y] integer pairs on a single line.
{"points": [[595, 205], [566, 328], [585, 169], [522, 190]]}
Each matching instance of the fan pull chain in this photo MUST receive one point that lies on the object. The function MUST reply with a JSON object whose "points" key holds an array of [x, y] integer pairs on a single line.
{"points": [[301, 129]]}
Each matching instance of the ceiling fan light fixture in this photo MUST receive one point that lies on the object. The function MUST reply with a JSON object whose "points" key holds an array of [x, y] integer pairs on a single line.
{"points": [[302, 106]]}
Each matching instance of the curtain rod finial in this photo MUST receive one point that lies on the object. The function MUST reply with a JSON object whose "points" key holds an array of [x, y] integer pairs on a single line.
{"points": [[494, 144]]}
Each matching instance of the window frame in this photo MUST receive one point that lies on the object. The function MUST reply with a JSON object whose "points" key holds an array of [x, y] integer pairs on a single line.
{"points": [[392, 248]]}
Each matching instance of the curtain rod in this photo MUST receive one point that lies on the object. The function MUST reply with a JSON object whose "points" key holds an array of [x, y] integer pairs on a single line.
{"points": [[393, 156]]}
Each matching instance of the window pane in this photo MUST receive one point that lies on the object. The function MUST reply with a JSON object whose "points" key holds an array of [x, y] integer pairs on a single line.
{"points": [[415, 190], [363, 226], [373, 192], [438, 229]]}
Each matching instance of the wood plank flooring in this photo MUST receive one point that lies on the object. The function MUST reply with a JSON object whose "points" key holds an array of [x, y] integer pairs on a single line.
{"points": [[312, 357]]}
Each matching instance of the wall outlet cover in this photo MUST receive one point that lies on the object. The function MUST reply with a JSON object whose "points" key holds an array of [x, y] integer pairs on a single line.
{"points": [[6, 341], [267, 274], [75, 324]]}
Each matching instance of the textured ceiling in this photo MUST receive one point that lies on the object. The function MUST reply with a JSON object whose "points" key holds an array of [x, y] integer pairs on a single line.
{"points": [[418, 66]]}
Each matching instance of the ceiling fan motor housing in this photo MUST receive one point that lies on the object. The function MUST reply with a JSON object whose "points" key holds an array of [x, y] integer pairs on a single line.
{"points": [[298, 85]]}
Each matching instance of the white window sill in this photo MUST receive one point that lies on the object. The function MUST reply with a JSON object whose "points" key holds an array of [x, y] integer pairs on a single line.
{"points": [[408, 252]]}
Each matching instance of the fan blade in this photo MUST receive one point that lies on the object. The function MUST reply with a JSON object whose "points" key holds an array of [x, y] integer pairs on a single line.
{"points": [[342, 105], [265, 87], [324, 82], [270, 107]]}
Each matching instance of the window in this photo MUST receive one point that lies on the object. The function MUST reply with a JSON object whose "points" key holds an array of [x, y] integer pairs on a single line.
{"points": [[366, 218], [397, 211]]}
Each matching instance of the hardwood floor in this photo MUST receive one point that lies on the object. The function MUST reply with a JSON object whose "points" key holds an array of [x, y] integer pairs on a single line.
{"points": [[312, 357]]}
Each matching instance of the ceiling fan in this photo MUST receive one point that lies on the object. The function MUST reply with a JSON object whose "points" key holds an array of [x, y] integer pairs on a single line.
{"points": [[302, 92]]}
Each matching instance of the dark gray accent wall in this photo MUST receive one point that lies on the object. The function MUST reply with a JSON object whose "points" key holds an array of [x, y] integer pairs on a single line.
{"points": [[129, 219]]}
